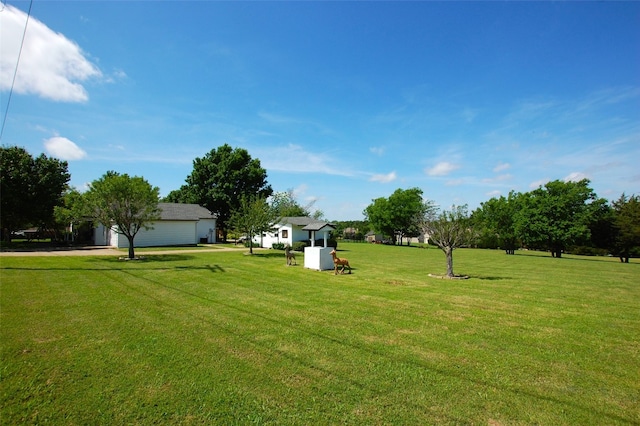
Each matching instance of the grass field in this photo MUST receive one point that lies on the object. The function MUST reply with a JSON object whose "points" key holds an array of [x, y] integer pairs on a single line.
{"points": [[226, 338]]}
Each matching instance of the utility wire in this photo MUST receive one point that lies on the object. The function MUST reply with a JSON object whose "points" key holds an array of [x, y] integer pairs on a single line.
{"points": [[15, 72]]}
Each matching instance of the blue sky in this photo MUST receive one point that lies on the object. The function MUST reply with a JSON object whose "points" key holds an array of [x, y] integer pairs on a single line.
{"points": [[343, 102]]}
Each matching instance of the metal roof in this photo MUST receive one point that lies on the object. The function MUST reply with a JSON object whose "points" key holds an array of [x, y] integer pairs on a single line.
{"points": [[178, 211]]}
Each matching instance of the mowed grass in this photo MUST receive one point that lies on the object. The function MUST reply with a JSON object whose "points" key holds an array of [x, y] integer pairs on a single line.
{"points": [[226, 338]]}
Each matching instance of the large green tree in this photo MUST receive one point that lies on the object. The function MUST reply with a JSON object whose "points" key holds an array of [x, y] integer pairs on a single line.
{"points": [[129, 203], [496, 217], [626, 241], [407, 210], [556, 216], [399, 215], [220, 179], [253, 217], [378, 214], [449, 230], [30, 189], [72, 212]]}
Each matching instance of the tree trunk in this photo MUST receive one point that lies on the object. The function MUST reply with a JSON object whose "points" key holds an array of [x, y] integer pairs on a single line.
{"points": [[131, 249], [449, 253]]}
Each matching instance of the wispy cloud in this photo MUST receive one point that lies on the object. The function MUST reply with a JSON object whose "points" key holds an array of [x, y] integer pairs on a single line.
{"points": [[51, 66], [499, 178], [501, 167], [538, 183], [295, 159], [442, 169], [64, 149], [389, 177], [575, 177], [377, 150]]}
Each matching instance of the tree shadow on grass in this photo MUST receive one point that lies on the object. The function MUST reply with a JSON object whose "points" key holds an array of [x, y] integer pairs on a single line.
{"points": [[487, 278], [269, 255], [154, 262], [570, 257]]}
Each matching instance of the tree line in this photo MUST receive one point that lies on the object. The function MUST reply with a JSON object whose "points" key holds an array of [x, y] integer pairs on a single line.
{"points": [[557, 217]]}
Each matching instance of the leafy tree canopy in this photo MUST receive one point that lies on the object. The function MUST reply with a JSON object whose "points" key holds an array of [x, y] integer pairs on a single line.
{"points": [[627, 227], [129, 203], [253, 217], [30, 188], [556, 215], [497, 218], [220, 179], [399, 215]]}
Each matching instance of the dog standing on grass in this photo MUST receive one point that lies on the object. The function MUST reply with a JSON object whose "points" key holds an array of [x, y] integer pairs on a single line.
{"points": [[291, 257]]}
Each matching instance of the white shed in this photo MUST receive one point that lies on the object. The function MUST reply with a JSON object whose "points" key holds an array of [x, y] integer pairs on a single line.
{"points": [[179, 224], [289, 230]]}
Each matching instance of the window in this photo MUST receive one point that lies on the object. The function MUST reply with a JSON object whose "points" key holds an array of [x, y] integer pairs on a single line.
{"points": [[285, 233]]}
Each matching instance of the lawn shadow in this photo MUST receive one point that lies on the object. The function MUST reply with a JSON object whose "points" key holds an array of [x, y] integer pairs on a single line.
{"points": [[487, 278], [577, 257], [269, 255]]}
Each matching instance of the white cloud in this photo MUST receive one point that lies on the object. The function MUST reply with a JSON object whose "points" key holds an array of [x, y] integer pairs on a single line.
{"points": [[499, 178], [538, 183], [501, 167], [442, 169], [390, 177], [377, 150], [295, 159], [51, 66], [455, 182], [63, 149], [493, 194], [575, 177]]}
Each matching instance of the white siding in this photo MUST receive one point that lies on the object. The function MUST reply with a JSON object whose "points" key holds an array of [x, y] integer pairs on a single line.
{"points": [[166, 233], [206, 228], [293, 234]]}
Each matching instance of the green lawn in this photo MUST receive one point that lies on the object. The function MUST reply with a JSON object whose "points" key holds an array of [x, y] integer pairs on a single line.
{"points": [[226, 338]]}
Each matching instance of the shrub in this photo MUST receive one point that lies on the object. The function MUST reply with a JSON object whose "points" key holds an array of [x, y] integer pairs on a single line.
{"points": [[299, 245], [247, 242], [278, 246]]}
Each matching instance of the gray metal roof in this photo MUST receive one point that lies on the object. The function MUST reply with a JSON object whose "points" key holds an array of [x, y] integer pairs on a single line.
{"points": [[308, 223], [297, 220], [316, 226], [178, 211]]}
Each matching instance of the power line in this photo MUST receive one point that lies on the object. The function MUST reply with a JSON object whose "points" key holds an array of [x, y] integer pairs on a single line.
{"points": [[15, 72]]}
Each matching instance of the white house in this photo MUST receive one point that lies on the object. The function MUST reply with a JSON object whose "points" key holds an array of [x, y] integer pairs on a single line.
{"points": [[291, 229], [179, 224]]}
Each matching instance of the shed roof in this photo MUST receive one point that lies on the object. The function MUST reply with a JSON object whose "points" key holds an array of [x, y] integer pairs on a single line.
{"points": [[297, 220], [317, 226], [308, 223], [178, 211]]}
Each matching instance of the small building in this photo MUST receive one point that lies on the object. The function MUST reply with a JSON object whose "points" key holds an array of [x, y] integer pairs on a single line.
{"points": [[372, 237], [179, 224], [288, 230]]}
